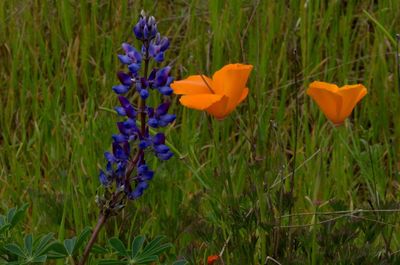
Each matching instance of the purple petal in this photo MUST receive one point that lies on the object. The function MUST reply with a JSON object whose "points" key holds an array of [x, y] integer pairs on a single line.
{"points": [[164, 44], [159, 57], [120, 111], [162, 148], [124, 78], [120, 89], [165, 90], [130, 112], [168, 118], [152, 50], [165, 156], [119, 138], [146, 32], [109, 157], [153, 74], [104, 179], [124, 101], [153, 122], [134, 68], [124, 59], [143, 144], [142, 169], [127, 47], [150, 112], [162, 76], [138, 31], [163, 108], [169, 80], [144, 93], [148, 175], [158, 139]]}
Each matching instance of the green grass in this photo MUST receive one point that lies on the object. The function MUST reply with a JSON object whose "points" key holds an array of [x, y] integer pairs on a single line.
{"points": [[230, 183]]}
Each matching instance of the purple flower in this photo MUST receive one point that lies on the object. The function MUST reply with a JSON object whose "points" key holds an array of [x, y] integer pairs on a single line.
{"points": [[126, 168]]}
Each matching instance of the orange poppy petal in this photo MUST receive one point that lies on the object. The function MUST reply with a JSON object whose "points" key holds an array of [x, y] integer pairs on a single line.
{"points": [[194, 84], [351, 95], [329, 102], [324, 85], [200, 101], [231, 81], [244, 94], [212, 259], [218, 109]]}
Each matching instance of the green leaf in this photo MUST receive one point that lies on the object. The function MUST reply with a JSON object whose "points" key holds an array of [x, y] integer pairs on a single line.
{"points": [[42, 259], [15, 249], [2, 220], [15, 215], [146, 259], [28, 242], [97, 249], [69, 245], [4, 228], [157, 250], [82, 238], [153, 244], [137, 245], [10, 214], [56, 250], [112, 262], [43, 244], [117, 244]]}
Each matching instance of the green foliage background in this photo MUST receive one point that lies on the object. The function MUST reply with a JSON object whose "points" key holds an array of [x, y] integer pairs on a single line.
{"points": [[228, 182]]}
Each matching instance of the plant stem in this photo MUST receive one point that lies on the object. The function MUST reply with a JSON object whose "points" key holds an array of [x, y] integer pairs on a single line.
{"points": [[398, 60], [296, 125], [102, 220]]}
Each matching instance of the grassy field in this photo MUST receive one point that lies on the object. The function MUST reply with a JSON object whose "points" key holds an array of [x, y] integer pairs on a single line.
{"points": [[228, 185]]}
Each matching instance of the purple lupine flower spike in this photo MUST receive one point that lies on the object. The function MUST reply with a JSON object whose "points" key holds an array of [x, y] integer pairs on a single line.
{"points": [[126, 168]]}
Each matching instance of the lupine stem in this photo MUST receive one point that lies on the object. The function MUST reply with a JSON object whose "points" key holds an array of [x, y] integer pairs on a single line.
{"points": [[102, 220], [142, 103]]}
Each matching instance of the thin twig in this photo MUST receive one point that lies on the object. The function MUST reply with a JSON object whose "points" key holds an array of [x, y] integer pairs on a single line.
{"points": [[398, 60], [279, 180], [223, 249], [357, 211], [271, 258], [336, 218]]}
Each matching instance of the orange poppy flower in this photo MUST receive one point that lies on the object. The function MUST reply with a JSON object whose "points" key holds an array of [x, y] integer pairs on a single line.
{"points": [[336, 103], [212, 259], [218, 96]]}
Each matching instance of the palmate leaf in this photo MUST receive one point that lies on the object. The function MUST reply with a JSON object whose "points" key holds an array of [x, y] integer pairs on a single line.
{"points": [[39, 259], [146, 259], [97, 249], [69, 245], [42, 245], [3, 228], [137, 245], [15, 250], [153, 244], [112, 262], [15, 215], [82, 237], [118, 246], [139, 252], [28, 244], [155, 247], [56, 251]]}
